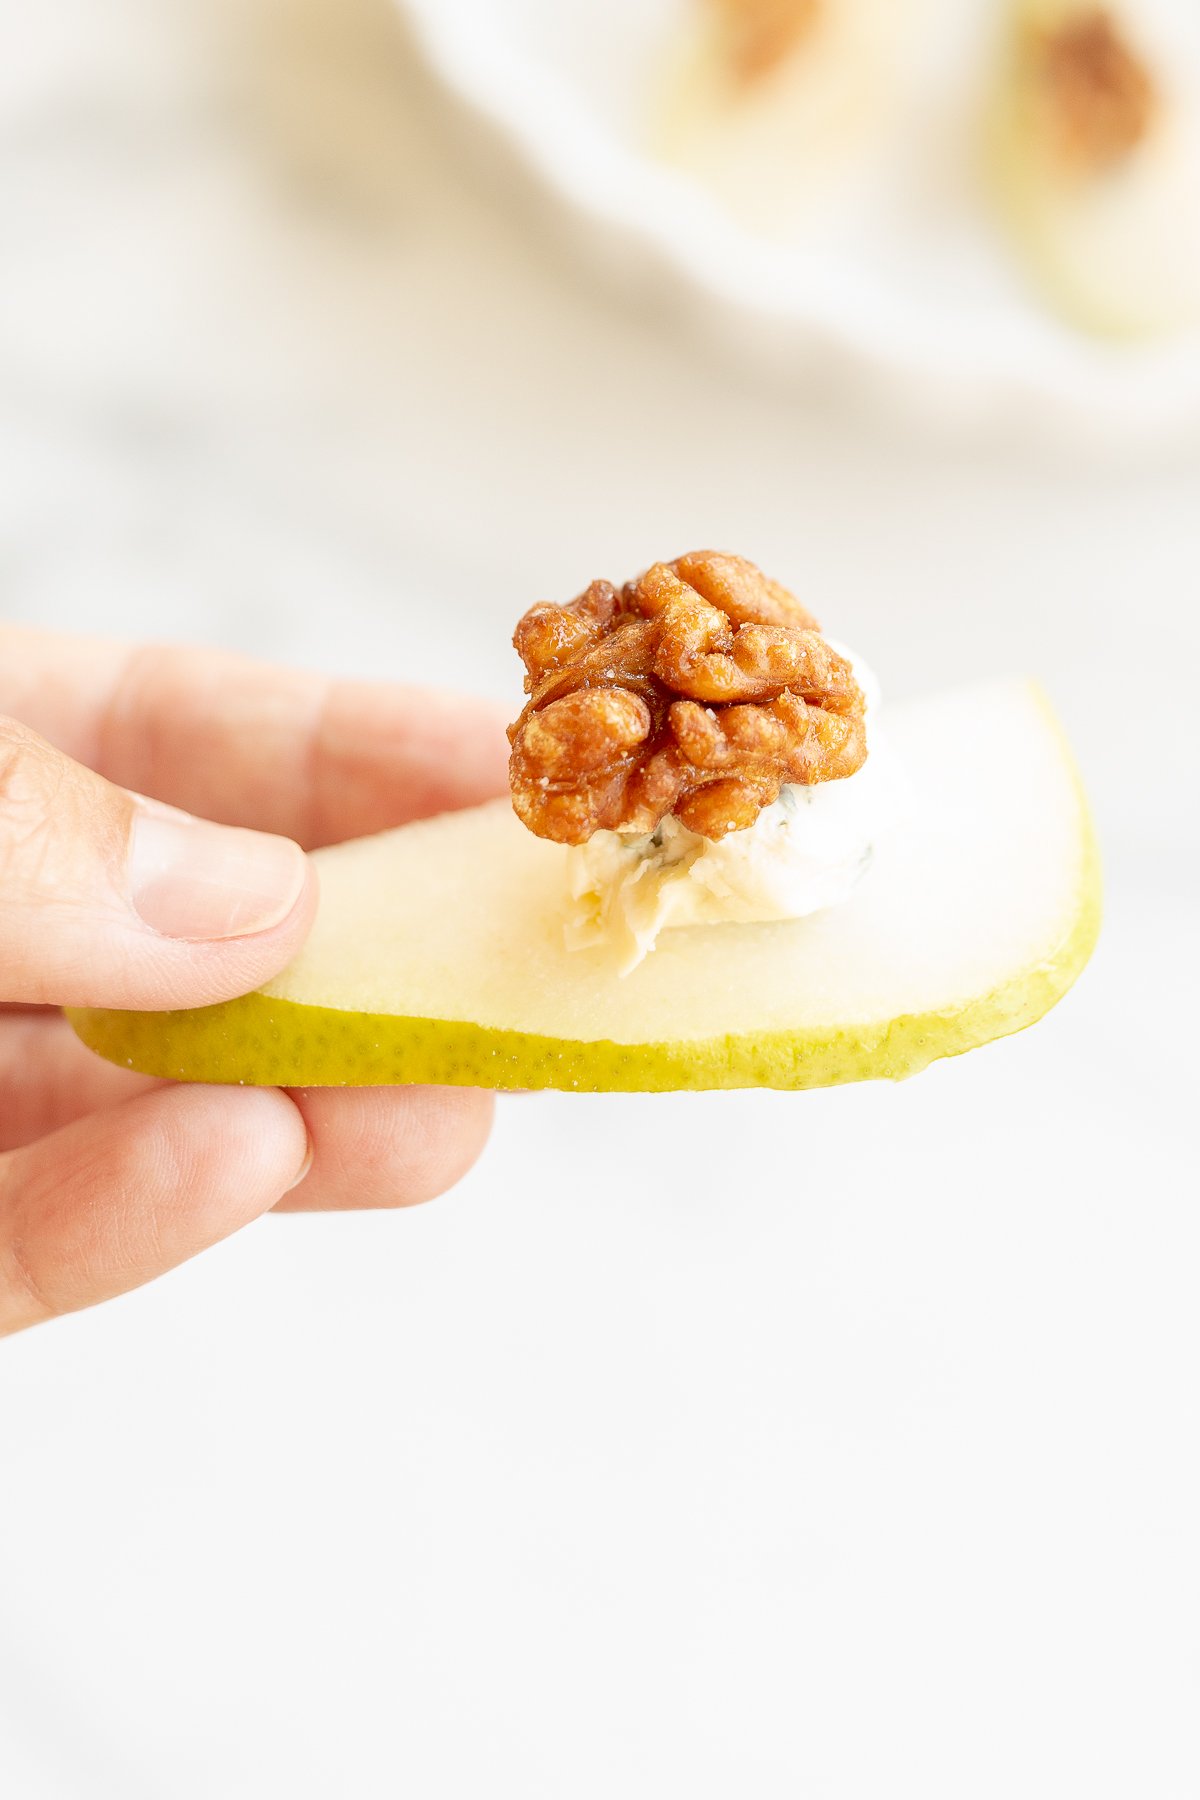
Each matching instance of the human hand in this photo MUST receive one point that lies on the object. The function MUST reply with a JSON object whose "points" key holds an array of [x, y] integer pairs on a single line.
{"points": [[107, 1178]]}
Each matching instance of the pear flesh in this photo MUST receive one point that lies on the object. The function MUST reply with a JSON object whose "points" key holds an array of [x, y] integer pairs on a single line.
{"points": [[1116, 247], [439, 950]]}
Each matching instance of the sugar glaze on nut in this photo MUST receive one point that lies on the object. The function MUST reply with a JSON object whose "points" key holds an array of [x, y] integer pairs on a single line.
{"points": [[699, 690]]}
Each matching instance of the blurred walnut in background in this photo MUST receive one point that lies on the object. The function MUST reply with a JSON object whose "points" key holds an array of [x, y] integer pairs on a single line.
{"points": [[760, 34]]}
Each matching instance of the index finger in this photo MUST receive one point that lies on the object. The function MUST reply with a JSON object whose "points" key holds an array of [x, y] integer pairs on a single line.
{"points": [[245, 743]]}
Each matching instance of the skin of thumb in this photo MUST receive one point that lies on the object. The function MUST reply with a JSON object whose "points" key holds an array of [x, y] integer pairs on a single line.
{"points": [[110, 899]]}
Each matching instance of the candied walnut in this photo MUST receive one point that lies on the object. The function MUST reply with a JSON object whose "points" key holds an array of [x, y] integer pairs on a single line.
{"points": [[698, 689], [760, 34], [1098, 94], [742, 592], [549, 636], [576, 756], [800, 740]]}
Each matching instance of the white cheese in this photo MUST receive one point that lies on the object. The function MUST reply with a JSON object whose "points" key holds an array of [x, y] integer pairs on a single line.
{"points": [[802, 854]]}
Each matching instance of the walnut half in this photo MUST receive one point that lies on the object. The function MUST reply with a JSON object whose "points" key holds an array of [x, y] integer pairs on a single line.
{"points": [[698, 689]]}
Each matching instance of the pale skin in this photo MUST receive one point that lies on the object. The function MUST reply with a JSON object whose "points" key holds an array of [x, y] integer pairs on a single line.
{"points": [[108, 1179]]}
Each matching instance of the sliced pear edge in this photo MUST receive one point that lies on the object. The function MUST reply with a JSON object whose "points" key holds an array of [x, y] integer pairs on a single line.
{"points": [[289, 1044]]}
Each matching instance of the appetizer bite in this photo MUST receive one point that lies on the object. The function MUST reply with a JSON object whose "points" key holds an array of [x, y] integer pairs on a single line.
{"points": [[828, 121], [680, 736], [713, 870], [783, 109], [1096, 158]]}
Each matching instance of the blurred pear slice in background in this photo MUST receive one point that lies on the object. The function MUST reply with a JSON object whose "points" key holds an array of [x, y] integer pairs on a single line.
{"points": [[771, 101], [1095, 156]]}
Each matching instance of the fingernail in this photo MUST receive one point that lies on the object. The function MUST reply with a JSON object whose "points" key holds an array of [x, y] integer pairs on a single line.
{"points": [[200, 882]]}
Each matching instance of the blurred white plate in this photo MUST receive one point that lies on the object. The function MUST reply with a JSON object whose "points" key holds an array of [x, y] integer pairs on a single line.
{"points": [[939, 318]]}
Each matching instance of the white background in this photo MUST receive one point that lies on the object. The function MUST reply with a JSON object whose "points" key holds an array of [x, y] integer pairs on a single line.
{"points": [[840, 1444]]}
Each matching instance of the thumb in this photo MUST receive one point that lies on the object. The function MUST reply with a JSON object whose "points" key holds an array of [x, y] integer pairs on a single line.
{"points": [[109, 899]]}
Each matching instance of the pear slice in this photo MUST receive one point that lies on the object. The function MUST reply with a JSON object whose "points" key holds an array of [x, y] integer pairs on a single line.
{"points": [[782, 108], [1095, 158], [438, 953]]}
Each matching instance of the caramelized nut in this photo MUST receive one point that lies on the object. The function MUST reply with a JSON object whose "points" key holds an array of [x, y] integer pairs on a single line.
{"points": [[699, 689]]}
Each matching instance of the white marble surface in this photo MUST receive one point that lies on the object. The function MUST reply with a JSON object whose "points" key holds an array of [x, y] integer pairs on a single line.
{"points": [[841, 1444]]}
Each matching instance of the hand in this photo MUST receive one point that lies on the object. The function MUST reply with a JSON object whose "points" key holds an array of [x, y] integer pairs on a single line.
{"points": [[110, 899]]}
